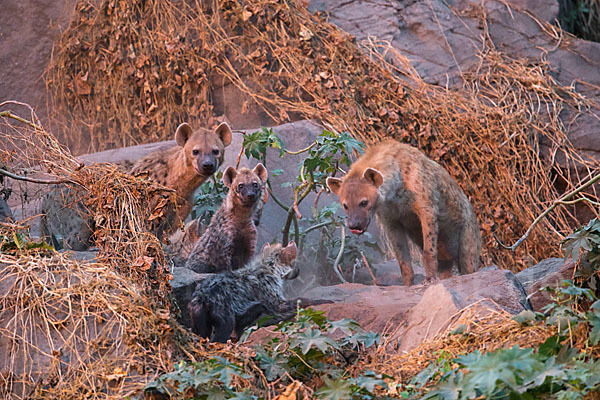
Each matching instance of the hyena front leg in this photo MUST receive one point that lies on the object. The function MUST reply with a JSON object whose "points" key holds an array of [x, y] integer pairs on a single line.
{"points": [[399, 241], [248, 318], [429, 229]]}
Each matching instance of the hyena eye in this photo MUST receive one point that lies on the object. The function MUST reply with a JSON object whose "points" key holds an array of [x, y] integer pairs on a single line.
{"points": [[195, 152], [216, 152], [255, 185], [363, 203], [240, 187], [345, 206]]}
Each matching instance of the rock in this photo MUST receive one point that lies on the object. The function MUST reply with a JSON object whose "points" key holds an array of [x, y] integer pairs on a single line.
{"points": [[28, 30], [548, 273], [183, 284], [411, 314], [4, 210]]}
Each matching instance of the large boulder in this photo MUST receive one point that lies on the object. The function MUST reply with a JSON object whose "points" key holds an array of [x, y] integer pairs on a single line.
{"points": [[412, 314], [548, 273]]}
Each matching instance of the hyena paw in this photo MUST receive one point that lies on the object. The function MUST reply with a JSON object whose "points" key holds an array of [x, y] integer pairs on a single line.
{"points": [[429, 280]]}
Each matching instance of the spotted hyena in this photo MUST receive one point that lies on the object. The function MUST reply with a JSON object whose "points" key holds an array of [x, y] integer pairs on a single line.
{"points": [[183, 167], [413, 198], [229, 240], [233, 300]]}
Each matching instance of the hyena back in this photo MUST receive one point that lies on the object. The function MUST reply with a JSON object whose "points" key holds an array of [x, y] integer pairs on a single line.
{"points": [[233, 300], [183, 167], [413, 198], [229, 240]]}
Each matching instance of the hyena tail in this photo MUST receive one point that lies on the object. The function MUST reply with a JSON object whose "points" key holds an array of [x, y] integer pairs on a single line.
{"points": [[199, 316]]}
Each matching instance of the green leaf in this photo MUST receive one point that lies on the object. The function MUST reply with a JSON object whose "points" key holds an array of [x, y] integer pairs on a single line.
{"points": [[335, 390], [273, 367], [313, 338], [524, 317]]}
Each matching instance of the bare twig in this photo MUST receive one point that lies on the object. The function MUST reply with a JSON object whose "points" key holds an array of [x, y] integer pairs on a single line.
{"points": [[561, 201], [336, 264], [35, 180], [369, 268]]}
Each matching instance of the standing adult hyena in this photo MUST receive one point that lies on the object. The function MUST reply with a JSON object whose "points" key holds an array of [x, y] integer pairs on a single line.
{"points": [[233, 300], [412, 197], [182, 167], [229, 240]]}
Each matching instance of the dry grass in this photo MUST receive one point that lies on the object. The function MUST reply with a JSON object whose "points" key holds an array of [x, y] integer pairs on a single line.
{"points": [[486, 330]]}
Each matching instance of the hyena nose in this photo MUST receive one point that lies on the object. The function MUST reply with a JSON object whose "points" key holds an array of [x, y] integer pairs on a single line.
{"points": [[251, 195], [355, 226], [208, 166]]}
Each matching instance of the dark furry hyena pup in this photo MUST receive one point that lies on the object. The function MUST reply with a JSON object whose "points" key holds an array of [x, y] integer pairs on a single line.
{"points": [[234, 300], [413, 197], [229, 240], [196, 155]]}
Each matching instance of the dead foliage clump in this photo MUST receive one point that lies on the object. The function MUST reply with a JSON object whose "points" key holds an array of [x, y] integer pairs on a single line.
{"points": [[73, 329], [125, 73], [124, 208], [484, 331]]}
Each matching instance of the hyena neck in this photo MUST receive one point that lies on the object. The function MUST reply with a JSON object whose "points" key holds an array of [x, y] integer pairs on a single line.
{"points": [[182, 176]]}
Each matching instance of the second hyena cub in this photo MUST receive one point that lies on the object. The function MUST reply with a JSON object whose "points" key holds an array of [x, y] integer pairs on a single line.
{"points": [[229, 240], [413, 198], [234, 300]]}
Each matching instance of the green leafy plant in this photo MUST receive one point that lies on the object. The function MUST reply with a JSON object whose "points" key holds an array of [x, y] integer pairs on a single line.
{"points": [[208, 198], [304, 350], [327, 155]]}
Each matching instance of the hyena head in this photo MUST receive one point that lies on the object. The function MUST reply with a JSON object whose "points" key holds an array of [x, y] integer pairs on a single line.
{"points": [[204, 149], [279, 261], [358, 195], [245, 185]]}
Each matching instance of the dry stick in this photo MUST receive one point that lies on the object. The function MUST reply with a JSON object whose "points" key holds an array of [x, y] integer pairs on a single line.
{"points": [[562, 200], [369, 268], [336, 266], [34, 180], [8, 114]]}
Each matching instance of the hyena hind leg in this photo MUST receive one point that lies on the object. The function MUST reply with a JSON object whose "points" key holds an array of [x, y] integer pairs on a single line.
{"points": [[199, 314], [469, 251]]}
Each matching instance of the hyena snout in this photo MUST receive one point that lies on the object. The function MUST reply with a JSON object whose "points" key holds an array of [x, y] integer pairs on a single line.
{"points": [[249, 194], [358, 224], [208, 165], [293, 274]]}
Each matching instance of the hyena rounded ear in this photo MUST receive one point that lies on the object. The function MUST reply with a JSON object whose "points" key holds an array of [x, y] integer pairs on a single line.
{"points": [[224, 133], [266, 246], [228, 176], [334, 185], [290, 252], [261, 172], [373, 176], [182, 134]]}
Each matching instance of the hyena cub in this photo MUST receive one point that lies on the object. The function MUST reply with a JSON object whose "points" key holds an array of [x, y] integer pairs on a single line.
{"points": [[182, 167], [229, 240], [412, 197], [234, 300]]}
